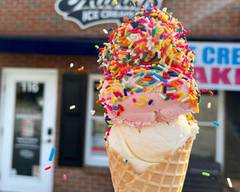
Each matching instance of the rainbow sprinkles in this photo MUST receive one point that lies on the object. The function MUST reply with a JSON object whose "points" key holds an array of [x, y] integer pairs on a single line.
{"points": [[148, 53]]}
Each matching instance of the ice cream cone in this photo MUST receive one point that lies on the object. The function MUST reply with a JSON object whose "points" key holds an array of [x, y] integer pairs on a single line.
{"points": [[149, 93], [166, 176]]}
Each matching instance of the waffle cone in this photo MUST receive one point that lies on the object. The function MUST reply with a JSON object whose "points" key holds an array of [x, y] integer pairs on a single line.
{"points": [[166, 176]]}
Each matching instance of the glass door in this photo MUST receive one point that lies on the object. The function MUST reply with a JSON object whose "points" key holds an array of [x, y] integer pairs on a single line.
{"points": [[27, 128], [28, 125]]}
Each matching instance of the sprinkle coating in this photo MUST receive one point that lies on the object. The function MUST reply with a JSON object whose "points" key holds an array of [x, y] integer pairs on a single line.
{"points": [[147, 54]]}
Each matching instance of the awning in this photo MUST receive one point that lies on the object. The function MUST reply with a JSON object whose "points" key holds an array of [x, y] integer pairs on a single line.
{"points": [[65, 45], [49, 45]]}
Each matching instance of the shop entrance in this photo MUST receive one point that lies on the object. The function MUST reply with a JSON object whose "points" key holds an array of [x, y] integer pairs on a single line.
{"points": [[28, 107]]}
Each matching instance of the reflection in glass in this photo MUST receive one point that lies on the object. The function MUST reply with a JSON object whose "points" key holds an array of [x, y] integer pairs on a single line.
{"points": [[99, 127], [208, 114], [27, 129], [205, 143]]}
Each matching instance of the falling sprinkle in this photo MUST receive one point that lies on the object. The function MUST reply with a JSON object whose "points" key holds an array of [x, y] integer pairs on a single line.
{"points": [[92, 112], [209, 105], [64, 177], [165, 9], [229, 182], [105, 31], [96, 46], [71, 65], [81, 68], [72, 107], [206, 174], [215, 123], [52, 153], [47, 168]]}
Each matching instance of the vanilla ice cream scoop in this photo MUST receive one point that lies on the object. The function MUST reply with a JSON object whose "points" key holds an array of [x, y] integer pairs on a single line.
{"points": [[146, 146]]}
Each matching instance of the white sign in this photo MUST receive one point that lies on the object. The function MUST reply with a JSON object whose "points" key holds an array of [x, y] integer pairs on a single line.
{"points": [[217, 65], [87, 13]]}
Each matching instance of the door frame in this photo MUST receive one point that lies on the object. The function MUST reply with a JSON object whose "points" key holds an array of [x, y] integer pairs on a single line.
{"points": [[220, 132], [52, 80]]}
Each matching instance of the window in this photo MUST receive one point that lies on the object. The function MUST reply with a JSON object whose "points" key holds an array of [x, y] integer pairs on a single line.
{"points": [[95, 154], [205, 143]]}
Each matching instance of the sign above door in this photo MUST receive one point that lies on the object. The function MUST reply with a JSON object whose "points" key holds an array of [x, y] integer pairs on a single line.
{"points": [[88, 13]]}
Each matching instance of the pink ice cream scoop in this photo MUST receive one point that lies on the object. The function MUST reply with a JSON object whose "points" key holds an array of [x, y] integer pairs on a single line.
{"points": [[143, 108], [148, 71]]}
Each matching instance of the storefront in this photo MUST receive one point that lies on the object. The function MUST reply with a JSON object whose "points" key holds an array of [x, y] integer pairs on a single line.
{"points": [[48, 90]]}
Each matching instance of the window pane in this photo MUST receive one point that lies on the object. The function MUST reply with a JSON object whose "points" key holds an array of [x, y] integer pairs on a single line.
{"points": [[99, 128], [97, 106], [208, 114], [232, 138], [205, 143]]}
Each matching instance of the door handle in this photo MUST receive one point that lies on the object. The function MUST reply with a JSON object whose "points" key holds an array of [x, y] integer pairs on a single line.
{"points": [[49, 131]]}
